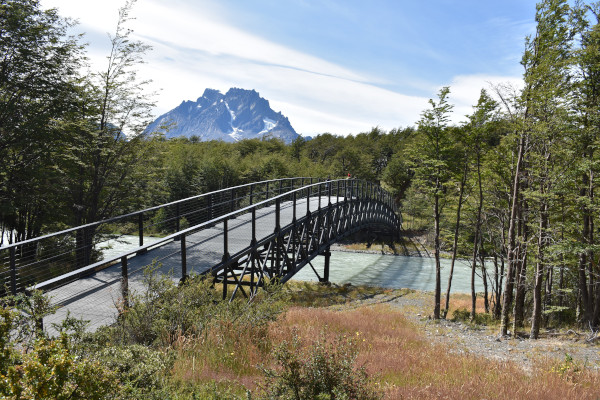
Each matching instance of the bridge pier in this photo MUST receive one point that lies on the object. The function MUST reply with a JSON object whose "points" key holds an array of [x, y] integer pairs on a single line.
{"points": [[325, 277]]}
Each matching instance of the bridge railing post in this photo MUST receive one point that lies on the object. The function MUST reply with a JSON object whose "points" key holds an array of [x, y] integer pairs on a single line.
{"points": [[267, 191], [141, 232], [124, 283], [294, 207], [13, 270], [278, 239], [293, 234], [177, 217], [319, 194], [232, 201], [277, 214], [225, 256], [208, 207], [253, 225], [141, 228], [183, 258], [225, 239], [308, 200]]}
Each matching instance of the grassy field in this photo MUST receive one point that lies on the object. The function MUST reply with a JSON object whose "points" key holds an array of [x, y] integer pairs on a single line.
{"points": [[401, 361], [336, 342]]}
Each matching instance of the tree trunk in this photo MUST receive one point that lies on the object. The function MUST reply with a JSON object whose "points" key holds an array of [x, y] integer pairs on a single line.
{"points": [[486, 300], [539, 272], [473, 293], [509, 284], [455, 243], [438, 278], [583, 260], [548, 292], [476, 241], [521, 274], [495, 287]]}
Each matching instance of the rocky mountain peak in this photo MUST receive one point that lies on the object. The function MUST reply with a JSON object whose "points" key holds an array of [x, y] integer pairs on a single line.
{"points": [[236, 115]]}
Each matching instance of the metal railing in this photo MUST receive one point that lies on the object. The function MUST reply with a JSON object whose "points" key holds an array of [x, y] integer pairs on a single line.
{"points": [[281, 235], [66, 255]]}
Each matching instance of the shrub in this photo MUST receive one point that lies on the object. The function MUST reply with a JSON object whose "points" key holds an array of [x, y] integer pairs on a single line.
{"points": [[50, 370], [324, 370], [165, 311], [463, 315], [141, 370]]}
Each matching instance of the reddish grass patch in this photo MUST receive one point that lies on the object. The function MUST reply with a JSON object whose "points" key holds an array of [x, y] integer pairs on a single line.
{"points": [[402, 362], [407, 366]]}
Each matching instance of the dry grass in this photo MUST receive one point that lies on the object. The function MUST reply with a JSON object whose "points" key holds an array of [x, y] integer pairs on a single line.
{"points": [[407, 366], [404, 364], [463, 301]]}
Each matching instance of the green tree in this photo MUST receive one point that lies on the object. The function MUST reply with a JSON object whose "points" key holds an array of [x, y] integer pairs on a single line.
{"points": [[587, 112], [546, 62], [430, 156], [39, 67], [109, 156]]}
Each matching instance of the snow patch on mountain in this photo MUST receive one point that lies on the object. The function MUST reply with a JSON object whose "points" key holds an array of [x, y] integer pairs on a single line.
{"points": [[236, 115], [230, 112], [269, 125]]}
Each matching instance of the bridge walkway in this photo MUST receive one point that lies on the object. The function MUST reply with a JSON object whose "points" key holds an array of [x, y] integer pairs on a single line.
{"points": [[96, 298]]}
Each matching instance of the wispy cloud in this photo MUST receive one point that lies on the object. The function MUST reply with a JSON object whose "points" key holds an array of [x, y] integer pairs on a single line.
{"points": [[195, 48], [465, 91]]}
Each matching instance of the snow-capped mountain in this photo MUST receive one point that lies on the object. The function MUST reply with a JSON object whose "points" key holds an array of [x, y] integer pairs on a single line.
{"points": [[236, 115]]}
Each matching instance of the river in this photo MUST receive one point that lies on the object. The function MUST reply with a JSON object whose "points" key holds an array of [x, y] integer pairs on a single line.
{"points": [[392, 272], [361, 269]]}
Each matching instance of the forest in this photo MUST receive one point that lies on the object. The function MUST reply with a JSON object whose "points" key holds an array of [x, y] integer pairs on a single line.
{"points": [[512, 189]]}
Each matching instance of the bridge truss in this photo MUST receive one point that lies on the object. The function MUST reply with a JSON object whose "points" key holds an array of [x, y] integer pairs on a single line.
{"points": [[343, 207]]}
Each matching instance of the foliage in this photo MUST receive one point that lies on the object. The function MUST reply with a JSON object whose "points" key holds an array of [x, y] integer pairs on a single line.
{"points": [[30, 310], [326, 370], [165, 311], [463, 315], [38, 78], [50, 369], [568, 369], [143, 371]]}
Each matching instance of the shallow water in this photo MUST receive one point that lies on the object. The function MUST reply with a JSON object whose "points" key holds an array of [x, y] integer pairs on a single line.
{"points": [[360, 268], [392, 272]]}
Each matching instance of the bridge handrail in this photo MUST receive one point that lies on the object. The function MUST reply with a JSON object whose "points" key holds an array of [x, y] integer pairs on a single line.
{"points": [[182, 233], [132, 214], [381, 194], [200, 226]]}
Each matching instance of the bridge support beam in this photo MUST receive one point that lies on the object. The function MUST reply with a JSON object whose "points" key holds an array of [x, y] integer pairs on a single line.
{"points": [[325, 277]]}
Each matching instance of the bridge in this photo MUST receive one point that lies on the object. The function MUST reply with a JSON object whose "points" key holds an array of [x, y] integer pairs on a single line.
{"points": [[243, 236]]}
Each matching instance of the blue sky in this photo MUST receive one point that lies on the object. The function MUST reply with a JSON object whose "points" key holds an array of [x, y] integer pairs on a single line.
{"points": [[339, 66]]}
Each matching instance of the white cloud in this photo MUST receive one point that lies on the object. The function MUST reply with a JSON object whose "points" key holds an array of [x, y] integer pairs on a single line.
{"points": [[194, 49], [465, 91]]}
